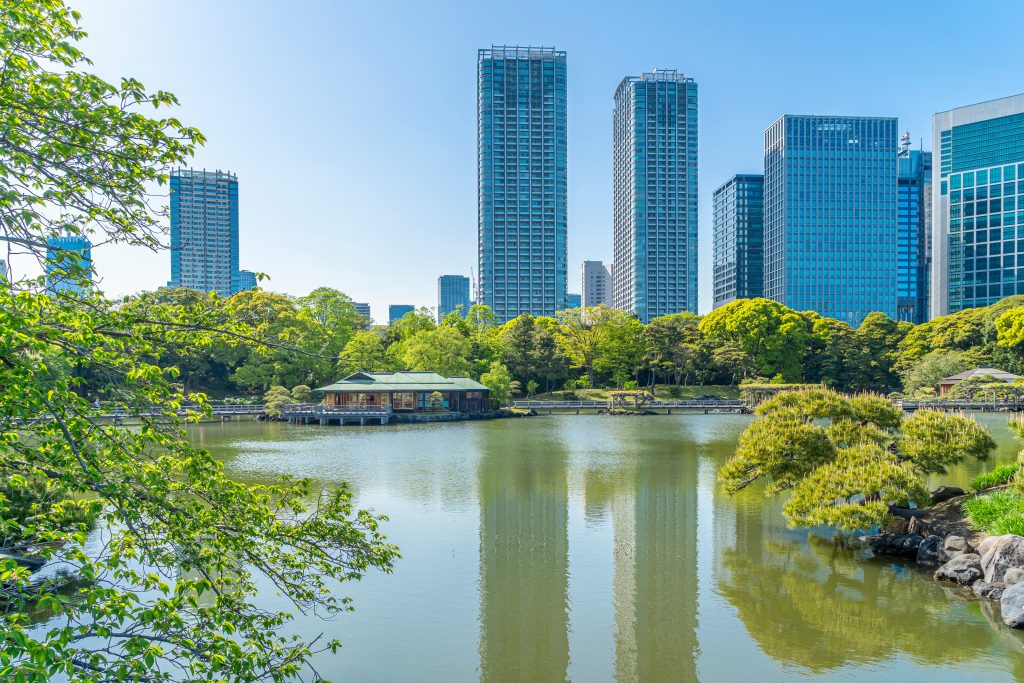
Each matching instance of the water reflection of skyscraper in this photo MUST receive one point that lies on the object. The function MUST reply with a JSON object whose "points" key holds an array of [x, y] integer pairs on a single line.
{"points": [[524, 555]]}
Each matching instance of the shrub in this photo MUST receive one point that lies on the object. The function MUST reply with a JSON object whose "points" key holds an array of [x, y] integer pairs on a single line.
{"points": [[1001, 512], [997, 477], [675, 392]]}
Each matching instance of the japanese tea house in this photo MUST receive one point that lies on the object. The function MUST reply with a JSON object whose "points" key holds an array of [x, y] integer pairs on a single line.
{"points": [[406, 391]]}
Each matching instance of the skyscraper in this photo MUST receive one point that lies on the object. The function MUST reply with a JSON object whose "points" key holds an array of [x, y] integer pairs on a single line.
{"points": [[914, 240], [452, 292], [522, 180], [573, 300], [396, 311], [830, 215], [739, 239], [204, 232], [68, 263], [978, 185], [655, 194], [246, 281], [596, 284]]}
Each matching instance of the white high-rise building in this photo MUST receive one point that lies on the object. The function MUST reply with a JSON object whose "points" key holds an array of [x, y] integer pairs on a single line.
{"points": [[596, 283]]}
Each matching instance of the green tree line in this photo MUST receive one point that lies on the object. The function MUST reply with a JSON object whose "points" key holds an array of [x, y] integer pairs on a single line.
{"points": [[586, 347]]}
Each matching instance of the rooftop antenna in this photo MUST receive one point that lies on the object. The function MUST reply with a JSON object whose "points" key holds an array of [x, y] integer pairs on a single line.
{"points": [[905, 144]]}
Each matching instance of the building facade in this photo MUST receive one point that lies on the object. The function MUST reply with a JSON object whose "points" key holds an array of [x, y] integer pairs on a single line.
{"points": [[977, 189], [596, 283], [363, 309], [68, 263], [522, 162], [738, 210], [655, 194], [573, 300], [452, 292], [913, 266], [830, 224], [204, 232], [396, 311]]}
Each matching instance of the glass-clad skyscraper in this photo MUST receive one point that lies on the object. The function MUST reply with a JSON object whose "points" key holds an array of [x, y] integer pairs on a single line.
{"points": [[522, 180], [68, 263], [913, 254], [204, 231], [452, 292], [978, 194], [738, 215], [830, 225], [655, 194], [396, 311]]}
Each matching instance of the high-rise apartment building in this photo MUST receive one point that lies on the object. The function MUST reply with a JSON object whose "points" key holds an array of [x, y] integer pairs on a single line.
{"points": [[596, 282], [913, 265], [452, 292], [521, 105], [68, 263], [655, 194], [204, 232], [830, 224], [738, 210], [397, 311], [977, 191]]}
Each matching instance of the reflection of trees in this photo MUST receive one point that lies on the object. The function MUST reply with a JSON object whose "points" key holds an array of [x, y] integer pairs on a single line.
{"points": [[817, 604], [524, 555]]}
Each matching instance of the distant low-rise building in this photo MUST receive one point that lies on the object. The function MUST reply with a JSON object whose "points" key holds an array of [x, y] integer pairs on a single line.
{"points": [[397, 311], [406, 391], [363, 309]]}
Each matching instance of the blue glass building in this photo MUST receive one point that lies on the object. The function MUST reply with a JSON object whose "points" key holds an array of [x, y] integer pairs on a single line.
{"points": [[396, 311], [978, 205], [68, 263], [452, 292], [655, 194], [574, 300], [830, 225], [913, 264], [246, 281], [522, 180], [204, 232], [738, 221]]}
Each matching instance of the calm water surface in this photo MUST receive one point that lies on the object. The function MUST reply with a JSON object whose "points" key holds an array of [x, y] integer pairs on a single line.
{"points": [[589, 548]]}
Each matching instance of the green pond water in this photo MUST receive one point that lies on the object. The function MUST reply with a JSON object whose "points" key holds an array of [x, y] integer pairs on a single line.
{"points": [[591, 548]]}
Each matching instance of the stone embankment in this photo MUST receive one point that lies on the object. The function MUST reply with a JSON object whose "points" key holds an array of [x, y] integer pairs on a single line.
{"points": [[991, 567]]}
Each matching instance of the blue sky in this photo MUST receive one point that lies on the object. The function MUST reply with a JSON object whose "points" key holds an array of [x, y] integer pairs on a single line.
{"points": [[352, 125]]}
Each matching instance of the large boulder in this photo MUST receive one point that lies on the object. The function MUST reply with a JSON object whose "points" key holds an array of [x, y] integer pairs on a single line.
{"points": [[1005, 552], [985, 544], [901, 545], [954, 546], [944, 493], [964, 569], [928, 551], [988, 590], [1013, 576], [1011, 604], [896, 525]]}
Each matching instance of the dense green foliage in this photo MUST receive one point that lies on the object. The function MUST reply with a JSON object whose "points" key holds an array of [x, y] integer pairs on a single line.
{"points": [[1003, 474], [997, 513], [157, 555], [846, 459]]}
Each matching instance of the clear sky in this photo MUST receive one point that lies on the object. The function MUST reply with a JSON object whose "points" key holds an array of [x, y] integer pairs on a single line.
{"points": [[352, 125]]}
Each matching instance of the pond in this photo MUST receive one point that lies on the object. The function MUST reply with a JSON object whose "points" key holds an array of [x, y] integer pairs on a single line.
{"points": [[592, 548]]}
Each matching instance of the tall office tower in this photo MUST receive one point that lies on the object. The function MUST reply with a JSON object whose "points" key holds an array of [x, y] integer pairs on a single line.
{"points": [[597, 284], [452, 292], [977, 186], [739, 239], [655, 194], [396, 311], [830, 215], [64, 255], [204, 231], [522, 180], [573, 300], [246, 281], [913, 264]]}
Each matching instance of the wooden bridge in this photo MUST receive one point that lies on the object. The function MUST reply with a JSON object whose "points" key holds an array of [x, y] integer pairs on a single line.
{"points": [[306, 413], [959, 404]]}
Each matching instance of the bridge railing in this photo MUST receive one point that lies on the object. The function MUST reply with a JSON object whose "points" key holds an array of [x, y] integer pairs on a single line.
{"points": [[682, 403]]}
